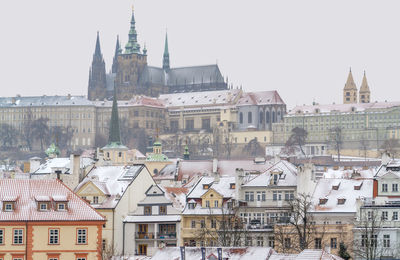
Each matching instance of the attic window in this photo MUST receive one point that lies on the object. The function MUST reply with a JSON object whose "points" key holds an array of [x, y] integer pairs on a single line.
{"points": [[323, 201], [341, 201], [335, 187], [317, 110], [192, 205], [61, 206], [358, 187], [8, 206], [232, 186], [206, 186], [43, 206]]}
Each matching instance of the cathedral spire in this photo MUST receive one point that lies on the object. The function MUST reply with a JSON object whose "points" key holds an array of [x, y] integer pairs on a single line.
{"points": [[350, 82], [97, 51], [166, 54], [365, 93], [132, 46], [350, 90], [114, 135], [118, 51]]}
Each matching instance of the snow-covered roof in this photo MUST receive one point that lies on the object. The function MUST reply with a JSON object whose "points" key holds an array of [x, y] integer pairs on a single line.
{"points": [[316, 254], [61, 163], [245, 253], [341, 108], [205, 98], [112, 181], [153, 218], [136, 101], [288, 176], [331, 173], [41, 101], [26, 193], [260, 98], [177, 195], [223, 187], [346, 190]]}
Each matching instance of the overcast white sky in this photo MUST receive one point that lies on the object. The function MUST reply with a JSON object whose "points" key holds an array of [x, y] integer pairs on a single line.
{"points": [[303, 49]]}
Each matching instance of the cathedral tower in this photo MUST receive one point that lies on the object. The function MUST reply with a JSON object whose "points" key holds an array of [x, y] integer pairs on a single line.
{"points": [[365, 93], [166, 66], [97, 75], [350, 90], [118, 51]]}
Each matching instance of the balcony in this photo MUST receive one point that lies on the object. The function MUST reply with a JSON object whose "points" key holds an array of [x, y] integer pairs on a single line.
{"points": [[152, 236], [144, 235]]}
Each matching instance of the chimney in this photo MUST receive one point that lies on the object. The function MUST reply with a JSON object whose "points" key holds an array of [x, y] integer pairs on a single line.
{"points": [[239, 176], [34, 164], [215, 165], [75, 161], [385, 159]]}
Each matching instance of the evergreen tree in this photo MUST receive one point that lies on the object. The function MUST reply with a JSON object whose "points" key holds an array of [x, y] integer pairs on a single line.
{"points": [[343, 251]]}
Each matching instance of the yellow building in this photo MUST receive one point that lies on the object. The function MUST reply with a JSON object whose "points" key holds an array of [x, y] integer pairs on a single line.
{"points": [[44, 219], [156, 160], [208, 205]]}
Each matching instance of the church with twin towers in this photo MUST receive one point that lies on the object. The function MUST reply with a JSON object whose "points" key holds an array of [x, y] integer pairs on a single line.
{"points": [[130, 74]]}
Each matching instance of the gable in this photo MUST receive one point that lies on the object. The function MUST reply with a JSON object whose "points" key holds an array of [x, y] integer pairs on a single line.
{"points": [[211, 193], [389, 175], [89, 189], [154, 190]]}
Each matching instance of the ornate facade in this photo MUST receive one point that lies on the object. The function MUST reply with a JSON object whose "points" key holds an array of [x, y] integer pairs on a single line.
{"points": [[131, 75]]}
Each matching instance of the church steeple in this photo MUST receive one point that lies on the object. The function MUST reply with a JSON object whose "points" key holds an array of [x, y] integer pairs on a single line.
{"points": [[132, 46], [97, 74], [364, 91], [350, 90], [114, 134], [166, 66], [118, 51]]}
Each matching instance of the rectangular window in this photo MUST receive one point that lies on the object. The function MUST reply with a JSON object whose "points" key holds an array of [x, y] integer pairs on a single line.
{"points": [[370, 215], [54, 236], [163, 210], [215, 203], [395, 187], [95, 200], [189, 124], [247, 196], [260, 241], [258, 196], [207, 203], [386, 240], [213, 223], [193, 224], [395, 215], [318, 243], [251, 196], [333, 242], [263, 197], [384, 215], [205, 123], [81, 236], [286, 243], [147, 210], [18, 236], [60, 206], [384, 187], [8, 207], [1, 236], [202, 223]]}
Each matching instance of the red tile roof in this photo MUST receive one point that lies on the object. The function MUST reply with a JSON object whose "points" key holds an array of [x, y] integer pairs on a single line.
{"points": [[25, 208]]}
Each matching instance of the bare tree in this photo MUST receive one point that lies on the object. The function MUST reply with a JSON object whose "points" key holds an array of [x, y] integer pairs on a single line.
{"points": [[100, 140], [298, 138], [391, 146], [8, 135], [254, 148], [336, 138], [61, 136], [364, 144], [301, 231], [27, 129], [228, 143], [41, 131]]}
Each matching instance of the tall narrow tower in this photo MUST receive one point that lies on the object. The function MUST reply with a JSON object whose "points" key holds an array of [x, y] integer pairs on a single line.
{"points": [[97, 75], [118, 51], [365, 93], [350, 90], [166, 66], [132, 45]]}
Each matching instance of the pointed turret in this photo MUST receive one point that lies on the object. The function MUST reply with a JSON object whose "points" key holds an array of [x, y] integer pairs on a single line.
{"points": [[97, 74], [350, 90], [118, 51], [114, 134], [132, 46], [166, 66], [364, 91]]}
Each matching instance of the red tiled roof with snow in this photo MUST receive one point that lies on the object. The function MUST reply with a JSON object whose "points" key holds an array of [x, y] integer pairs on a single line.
{"points": [[260, 98], [26, 192]]}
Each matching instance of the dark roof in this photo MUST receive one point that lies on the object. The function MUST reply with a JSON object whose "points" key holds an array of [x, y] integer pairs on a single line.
{"points": [[182, 76]]}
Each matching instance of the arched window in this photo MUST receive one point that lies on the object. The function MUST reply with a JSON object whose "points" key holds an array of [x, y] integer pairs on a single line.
{"points": [[267, 117], [249, 117], [241, 118], [261, 117], [273, 117]]}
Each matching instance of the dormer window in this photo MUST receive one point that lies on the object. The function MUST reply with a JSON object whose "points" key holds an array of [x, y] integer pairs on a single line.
{"points": [[358, 187], [323, 201], [341, 201], [206, 186], [8, 206], [61, 206], [43, 206], [232, 186], [335, 187]]}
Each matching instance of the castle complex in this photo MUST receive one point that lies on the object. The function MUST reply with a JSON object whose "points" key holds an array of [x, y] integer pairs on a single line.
{"points": [[131, 75]]}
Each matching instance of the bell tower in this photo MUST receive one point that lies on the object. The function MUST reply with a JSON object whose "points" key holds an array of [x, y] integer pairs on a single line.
{"points": [[365, 93], [350, 90]]}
